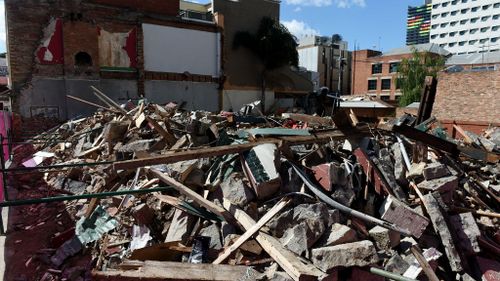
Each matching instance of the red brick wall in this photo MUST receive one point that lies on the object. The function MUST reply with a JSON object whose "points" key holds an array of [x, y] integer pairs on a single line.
{"points": [[78, 37], [164, 7], [362, 70], [468, 96]]}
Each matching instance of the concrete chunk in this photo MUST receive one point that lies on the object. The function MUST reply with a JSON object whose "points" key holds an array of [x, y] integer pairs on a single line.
{"points": [[440, 184], [385, 239], [392, 210], [397, 264], [467, 231], [213, 232], [338, 234], [440, 226], [236, 190], [435, 170], [361, 253], [296, 239]]}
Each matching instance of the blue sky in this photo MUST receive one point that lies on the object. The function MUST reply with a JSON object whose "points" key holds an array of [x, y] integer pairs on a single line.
{"points": [[366, 22]]}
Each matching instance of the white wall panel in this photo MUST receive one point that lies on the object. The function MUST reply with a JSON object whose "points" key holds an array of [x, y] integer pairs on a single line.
{"points": [[171, 49]]}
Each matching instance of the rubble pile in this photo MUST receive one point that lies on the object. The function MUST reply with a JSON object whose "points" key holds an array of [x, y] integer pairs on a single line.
{"points": [[242, 196]]}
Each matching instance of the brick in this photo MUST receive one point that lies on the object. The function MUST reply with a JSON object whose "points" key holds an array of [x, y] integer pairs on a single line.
{"points": [[440, 184], [466, 228], [398, 213]]}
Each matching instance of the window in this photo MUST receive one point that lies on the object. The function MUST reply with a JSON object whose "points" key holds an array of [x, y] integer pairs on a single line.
{"points": [[473, 9], [434, 26], [444, 24], [452, 34], [385, 98], [472, 31], [453, 13], [394, 67], [376, 68], [386, 84], [461, 43], [435, 17], [435, 6], [434, 36], [464, 11], [495, 17], [454, 2], [445, 4], [451, 44], [485, 18], [442, 45], [493, 40], [464, 1], [482, 41], [372, 85], [444, 14], [473, 20], [484, 29], [398, 83], [495, 28], [453, 23], [496, 5], [462, 32], [472, 42], [463, 22], [486, 7]]}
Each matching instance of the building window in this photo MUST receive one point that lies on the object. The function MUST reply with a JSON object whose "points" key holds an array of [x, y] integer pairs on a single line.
{"points": [[495, 17], [484, 29], [442, 35], [453, 13], [495, 28], [485, 18], [472, 42], [372, 85], [452, 33], [473, 9], [445, 4], [454, 2], [493, 40], [453, 23], [444, 24], [399, 81], [462, 32], [451, 44], [482, 41], [434, 36], [386, 84], [496, 5], [474, 20], [486, 7], [472, 31], [434, 26], [394, 67], [376, 68], [463, 21], [464, 11], [464, 1], [461, 43], [444, 14]]}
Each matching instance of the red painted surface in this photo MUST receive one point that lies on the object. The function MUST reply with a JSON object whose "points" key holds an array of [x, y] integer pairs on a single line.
{"points": [[371, 173], [323, 174], [131, 47], [55, 47], [489, 268]]}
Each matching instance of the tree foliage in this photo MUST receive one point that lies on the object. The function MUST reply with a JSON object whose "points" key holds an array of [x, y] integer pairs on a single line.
{"points": [[412, 73], [273, 44]]}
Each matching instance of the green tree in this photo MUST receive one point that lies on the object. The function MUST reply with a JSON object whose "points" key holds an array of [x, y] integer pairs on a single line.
{"points": [[412, 73], [272, 44]]}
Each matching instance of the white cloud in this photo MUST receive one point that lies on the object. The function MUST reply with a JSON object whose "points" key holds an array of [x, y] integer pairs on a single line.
{"points": [[300, 28], [3, 33], [349, 3], [323, 3]]}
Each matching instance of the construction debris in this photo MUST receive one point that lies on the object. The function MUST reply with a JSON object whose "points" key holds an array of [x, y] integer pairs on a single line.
{"points": [[290, 198]]}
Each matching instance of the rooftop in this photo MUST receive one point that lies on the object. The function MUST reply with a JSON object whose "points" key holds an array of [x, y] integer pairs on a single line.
{"points": [[478, 58], [429, 47]]}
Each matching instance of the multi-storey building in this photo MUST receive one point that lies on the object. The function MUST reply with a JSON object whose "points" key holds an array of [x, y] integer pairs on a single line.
{"points": [[466, 26], [329, 58], [418, 25]]}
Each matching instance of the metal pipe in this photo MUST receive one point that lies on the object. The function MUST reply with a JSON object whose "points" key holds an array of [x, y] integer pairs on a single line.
{"points": [[81, 196], [389, 275], [328, 200], [403, 152]]}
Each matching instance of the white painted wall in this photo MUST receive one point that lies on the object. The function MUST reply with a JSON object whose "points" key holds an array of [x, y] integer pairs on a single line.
{"points": [[236, 99], [308, 58], [171, 49]]}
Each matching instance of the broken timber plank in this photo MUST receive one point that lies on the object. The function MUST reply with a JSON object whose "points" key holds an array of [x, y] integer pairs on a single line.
{"points": [[198, 199], [90, 103], [424, 264], [250, 232], [289, 261], [168, 136], [155, 270], [311, 119], [228, 149], [428, 139]]}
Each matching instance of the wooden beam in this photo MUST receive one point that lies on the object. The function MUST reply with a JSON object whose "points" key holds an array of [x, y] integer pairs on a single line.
{"points": [[168, 136], [428, 139], [155, 270], [186, 191], [90, 103], [205, 152], [461, 131], [289, 261], [424, 264], [250, 232]]}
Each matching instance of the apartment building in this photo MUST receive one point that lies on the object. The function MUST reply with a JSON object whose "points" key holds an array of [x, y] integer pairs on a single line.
{"points": [[329, 58], [466, 26], [418, 24]]}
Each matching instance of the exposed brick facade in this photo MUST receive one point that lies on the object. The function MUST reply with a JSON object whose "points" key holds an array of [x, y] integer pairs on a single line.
{"points": [[362, 62], [468, 98], [163, 7]]}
